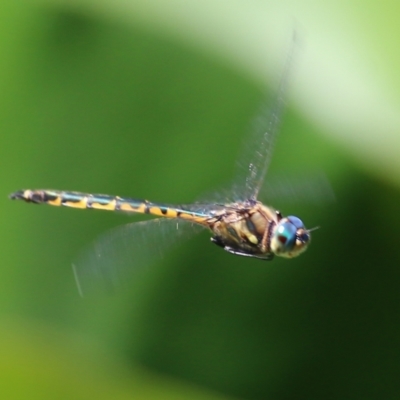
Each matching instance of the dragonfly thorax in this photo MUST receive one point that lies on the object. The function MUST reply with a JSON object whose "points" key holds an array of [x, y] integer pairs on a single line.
{"points": [[245, 229]]}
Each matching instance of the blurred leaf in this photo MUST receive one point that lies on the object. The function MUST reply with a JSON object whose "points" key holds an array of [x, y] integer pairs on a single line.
{"points": [[39, 362]]}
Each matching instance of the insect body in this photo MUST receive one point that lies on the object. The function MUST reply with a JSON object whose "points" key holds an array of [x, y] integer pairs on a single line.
{"points": [[246, 228]]}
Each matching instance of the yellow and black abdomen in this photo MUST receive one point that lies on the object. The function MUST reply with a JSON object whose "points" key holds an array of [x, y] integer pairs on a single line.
{"points": [[106, 202]]}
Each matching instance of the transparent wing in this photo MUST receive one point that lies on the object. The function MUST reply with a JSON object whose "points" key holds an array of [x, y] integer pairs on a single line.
{"points": [[311, 188], [257, 153], [115, 257], [208, 208]]}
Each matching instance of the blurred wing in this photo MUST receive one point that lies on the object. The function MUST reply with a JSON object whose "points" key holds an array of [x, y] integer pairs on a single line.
{"points": [[116, 256], [212, 205], [258, 149], [311, 188]]}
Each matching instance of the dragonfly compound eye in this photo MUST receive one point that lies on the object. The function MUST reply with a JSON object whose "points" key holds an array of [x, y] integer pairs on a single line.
{"points": [[297, 222], [290, 238]]}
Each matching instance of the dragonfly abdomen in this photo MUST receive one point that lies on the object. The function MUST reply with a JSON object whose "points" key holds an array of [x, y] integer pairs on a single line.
{"points": [[106, 202]]}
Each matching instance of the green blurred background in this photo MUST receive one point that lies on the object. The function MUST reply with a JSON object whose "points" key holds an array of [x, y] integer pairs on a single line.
{"points": [[153, 99]]}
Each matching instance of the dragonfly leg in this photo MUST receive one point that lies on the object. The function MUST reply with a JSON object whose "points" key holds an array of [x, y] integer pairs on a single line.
{"points": [[216, 240], [267, 257]]}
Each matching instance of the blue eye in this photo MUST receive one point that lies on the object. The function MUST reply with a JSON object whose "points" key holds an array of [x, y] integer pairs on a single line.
{"points": [[286, 235], [290, 238], [297, 222]]}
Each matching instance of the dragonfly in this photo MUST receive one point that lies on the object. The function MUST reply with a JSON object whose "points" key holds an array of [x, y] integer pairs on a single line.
{"points": [[242, 226]]}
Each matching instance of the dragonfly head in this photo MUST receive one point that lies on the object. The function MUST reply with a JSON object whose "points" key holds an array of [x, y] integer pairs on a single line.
{"points": [[290, 237]]}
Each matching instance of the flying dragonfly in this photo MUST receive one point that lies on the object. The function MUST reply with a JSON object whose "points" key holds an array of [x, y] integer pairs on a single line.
{"points": [[243, 226]]}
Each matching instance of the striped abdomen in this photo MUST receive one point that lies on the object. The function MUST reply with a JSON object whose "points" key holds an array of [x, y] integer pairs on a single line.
{"points": [[106, 202]]}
